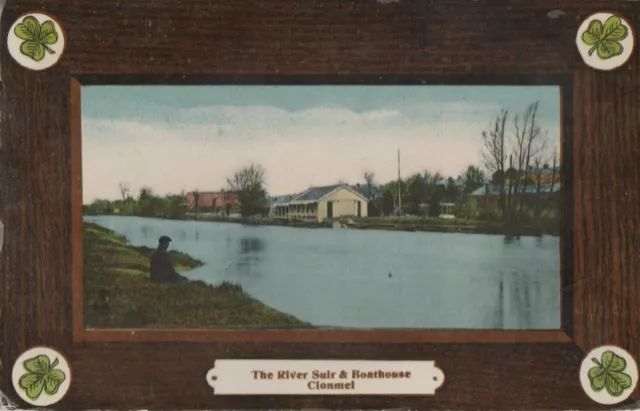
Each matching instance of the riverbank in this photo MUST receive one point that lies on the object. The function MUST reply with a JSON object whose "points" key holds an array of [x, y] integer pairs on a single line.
{"points": [[424, 224], [119, 294], [416, 224]]}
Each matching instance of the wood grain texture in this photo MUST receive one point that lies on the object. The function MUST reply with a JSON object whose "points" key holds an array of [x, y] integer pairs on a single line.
{"points": [[167, 37], [607, 213]]}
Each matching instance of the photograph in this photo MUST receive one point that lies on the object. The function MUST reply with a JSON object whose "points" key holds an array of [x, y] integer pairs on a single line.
{"points": [[346, 207]]}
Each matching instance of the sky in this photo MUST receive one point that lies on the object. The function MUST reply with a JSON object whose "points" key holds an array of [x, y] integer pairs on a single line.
{"points": [[182, 138]]}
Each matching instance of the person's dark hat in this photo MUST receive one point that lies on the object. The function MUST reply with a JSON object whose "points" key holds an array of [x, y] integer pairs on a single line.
{"points": [[164, 239]]}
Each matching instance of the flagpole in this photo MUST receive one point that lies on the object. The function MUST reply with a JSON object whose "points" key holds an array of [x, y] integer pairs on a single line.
{"points": [[399, 187]]}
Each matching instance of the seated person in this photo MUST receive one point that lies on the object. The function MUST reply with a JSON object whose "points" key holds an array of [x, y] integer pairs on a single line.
{"points": [[162, 270]]}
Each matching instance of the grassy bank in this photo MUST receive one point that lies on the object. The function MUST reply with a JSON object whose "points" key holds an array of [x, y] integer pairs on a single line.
{"points": [[457, 225], [119, 294]]}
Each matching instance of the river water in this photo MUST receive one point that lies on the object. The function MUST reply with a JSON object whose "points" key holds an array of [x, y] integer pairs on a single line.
{"points": [[372, 279]]}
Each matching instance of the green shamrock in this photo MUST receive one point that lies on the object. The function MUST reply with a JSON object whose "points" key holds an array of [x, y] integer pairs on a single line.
{"points": [[605, 38], [608, 373], [41, 374], [37, 37]]}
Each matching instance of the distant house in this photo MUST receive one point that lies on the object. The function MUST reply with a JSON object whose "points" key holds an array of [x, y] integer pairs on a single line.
{"points": [[459, 185], [320, 203], [207, 200], [546, 175]]}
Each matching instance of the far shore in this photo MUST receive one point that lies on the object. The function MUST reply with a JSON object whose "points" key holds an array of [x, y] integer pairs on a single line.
{"points": [[408, 224]]}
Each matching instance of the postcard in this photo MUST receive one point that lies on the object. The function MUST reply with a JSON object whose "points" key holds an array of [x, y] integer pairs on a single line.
{"points": [[328, 205]]}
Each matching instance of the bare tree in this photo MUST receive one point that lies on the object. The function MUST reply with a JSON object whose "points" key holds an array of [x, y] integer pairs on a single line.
{"points": [[529, 146], [248, 185], [124, 190], [368, 178], [524, 148], [494, 157]]}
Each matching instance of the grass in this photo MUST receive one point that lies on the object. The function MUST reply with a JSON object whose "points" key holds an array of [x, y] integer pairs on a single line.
{"points": [[119, 294]]}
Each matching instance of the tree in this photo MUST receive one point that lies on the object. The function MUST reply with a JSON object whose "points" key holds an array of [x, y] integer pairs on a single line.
{"points": [[545, 180], [451, 191], [494, 157], [147, 203], [196, 201], [374, 205], [368, 178], [433, 209], [522, 147], [248, 186], [417, 193], [145, 193], [473, 179], [388, 201], [393, 188], [228, 198], [124, 191]]}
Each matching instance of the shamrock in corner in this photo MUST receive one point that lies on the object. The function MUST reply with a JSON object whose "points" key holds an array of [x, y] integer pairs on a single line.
{"points": [[37, 38], [41, 375], [605, 37], [608, 373]]}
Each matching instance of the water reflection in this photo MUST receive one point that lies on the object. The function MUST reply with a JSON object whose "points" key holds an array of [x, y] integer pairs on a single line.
{"points": [[519, 296], [145, 230], [342, 278], [250, 254], [250, 245], [511, 239]]}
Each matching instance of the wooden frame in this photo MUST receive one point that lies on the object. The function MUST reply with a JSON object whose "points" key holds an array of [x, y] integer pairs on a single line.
{"points": [[80, 334], [407, 39]]}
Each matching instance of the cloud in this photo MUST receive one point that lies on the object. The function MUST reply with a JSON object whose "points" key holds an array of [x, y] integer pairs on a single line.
{"points": [[201, 147]]}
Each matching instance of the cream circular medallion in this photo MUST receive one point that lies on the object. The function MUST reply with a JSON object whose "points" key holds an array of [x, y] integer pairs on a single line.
{"points": [[41, 376], [605, 41], [36, 41], [609, 375]]}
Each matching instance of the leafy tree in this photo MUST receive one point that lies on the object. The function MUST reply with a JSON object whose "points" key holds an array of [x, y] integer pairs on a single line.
{"points": [[387, 202], [147, 203], [473, 179], [433, 209], [451, 191]]}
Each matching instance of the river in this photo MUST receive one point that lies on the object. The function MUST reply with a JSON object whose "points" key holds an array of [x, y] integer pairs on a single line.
{"points": [[372, 279]]}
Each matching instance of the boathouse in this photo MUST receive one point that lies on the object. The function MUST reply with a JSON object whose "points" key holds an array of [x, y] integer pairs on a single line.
{"points": [[323, 203]]}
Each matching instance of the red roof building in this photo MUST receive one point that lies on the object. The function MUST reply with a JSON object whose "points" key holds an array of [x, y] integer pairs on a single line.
{"points": [[208, 200]]}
